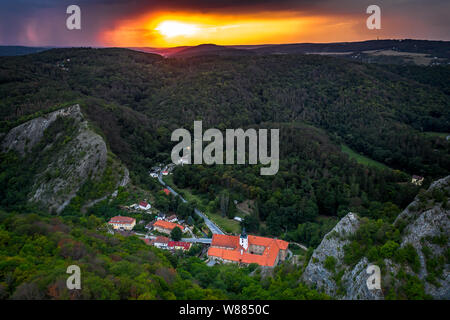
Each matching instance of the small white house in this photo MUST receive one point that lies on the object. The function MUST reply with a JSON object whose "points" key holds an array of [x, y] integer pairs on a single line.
{"points": [[183, 160], [172, 218], [143, 205], [238, 219], [161, 242], [153, 175], [417, 180]]}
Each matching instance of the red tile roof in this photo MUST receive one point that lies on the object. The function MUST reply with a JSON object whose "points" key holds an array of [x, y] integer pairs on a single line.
{"points": [[167, 191], [221, 240], [143, 203], [122, 220], [185, 245], [266, 242], [161, 239], [267, 258], [167, 225]]}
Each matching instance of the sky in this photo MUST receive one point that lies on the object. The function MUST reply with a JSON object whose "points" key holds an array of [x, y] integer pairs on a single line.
{"points": [[147, 23]]}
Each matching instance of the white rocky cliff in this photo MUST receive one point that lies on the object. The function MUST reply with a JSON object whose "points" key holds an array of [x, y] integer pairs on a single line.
{"points": [[68, 160], [426, 228]]}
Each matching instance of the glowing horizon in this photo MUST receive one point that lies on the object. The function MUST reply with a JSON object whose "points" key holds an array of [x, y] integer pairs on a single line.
{"points": [[187, 29]]}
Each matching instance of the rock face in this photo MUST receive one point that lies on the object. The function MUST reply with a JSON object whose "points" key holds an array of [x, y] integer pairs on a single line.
{"points": [[427, 229], [25, 136], [352, 281], [428, 220], [73, 155]]}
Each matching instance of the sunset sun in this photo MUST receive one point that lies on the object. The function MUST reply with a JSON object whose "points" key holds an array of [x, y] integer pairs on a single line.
{"points": [[174, 29]]}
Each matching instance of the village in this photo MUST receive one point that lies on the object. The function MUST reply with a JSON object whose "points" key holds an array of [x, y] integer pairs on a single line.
{"points": [[168, 232]]}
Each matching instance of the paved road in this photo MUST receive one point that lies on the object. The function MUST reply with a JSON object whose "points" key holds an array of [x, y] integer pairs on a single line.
{"points": [[211, 225], [299, 245], [197, 240]]}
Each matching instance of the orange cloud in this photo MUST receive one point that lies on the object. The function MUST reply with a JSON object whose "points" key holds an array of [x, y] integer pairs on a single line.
{"points": [[167, 29]]}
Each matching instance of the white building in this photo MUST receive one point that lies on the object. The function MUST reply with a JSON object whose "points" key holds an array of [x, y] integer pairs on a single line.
{"points": [[161, 242], [143, 205], [122, 223], [172, 218]]}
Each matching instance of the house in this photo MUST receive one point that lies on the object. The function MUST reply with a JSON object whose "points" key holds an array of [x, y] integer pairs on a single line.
{"points": [[183, 160], [149, 226], [160, 242], [153, 174], [161, 216], [166, 191], [238, 219], [172, 218], [165, 173], [247, 249], [144, 205], [122, 223], [179, 245], [166, 226], [417, 180]]}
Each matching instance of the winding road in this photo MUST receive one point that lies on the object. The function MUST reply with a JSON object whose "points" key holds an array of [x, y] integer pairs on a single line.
{"points": [[211, 225], [197, 240]]}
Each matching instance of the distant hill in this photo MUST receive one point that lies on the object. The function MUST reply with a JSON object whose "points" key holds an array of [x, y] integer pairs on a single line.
{"points": [[378, 111], [210, 49], [20, 50], [437, 48], [165, 52], [420, 52]]}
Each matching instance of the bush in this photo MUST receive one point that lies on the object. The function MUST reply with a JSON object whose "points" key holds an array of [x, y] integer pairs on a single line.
{"points": [[330, 263], [176, 234], [408, 255], [388, 249]]}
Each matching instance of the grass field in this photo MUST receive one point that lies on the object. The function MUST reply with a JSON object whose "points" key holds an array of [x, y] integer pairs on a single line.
{"points": [[362, 159], [436, 134], [227, 225]]}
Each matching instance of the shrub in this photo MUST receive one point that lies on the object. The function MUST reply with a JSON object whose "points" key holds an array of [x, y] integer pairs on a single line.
{"points": [[388, 249], [330, 263]]}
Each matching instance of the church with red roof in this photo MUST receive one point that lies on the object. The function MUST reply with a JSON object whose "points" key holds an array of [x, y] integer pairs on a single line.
{"points": [[247, 249]]}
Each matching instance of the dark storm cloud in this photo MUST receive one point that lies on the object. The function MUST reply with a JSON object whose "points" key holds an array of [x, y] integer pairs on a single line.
{"points": [[33, 22]]}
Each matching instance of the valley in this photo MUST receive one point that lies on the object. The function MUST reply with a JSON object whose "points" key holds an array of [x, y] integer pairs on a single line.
{"points": [[363, 176]]}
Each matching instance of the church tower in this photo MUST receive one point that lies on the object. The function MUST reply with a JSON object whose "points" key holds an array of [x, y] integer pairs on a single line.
{"points": [[243, 240]]}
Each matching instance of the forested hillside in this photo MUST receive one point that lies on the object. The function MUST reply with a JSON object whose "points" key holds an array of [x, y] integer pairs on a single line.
{"points": [[375, 111], [35, 252], [395, 117], [320, 103]]}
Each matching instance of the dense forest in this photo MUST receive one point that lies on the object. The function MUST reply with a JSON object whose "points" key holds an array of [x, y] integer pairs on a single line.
{"points": [[315, 178], [137, 99], [36, 250], [398, 116]]}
